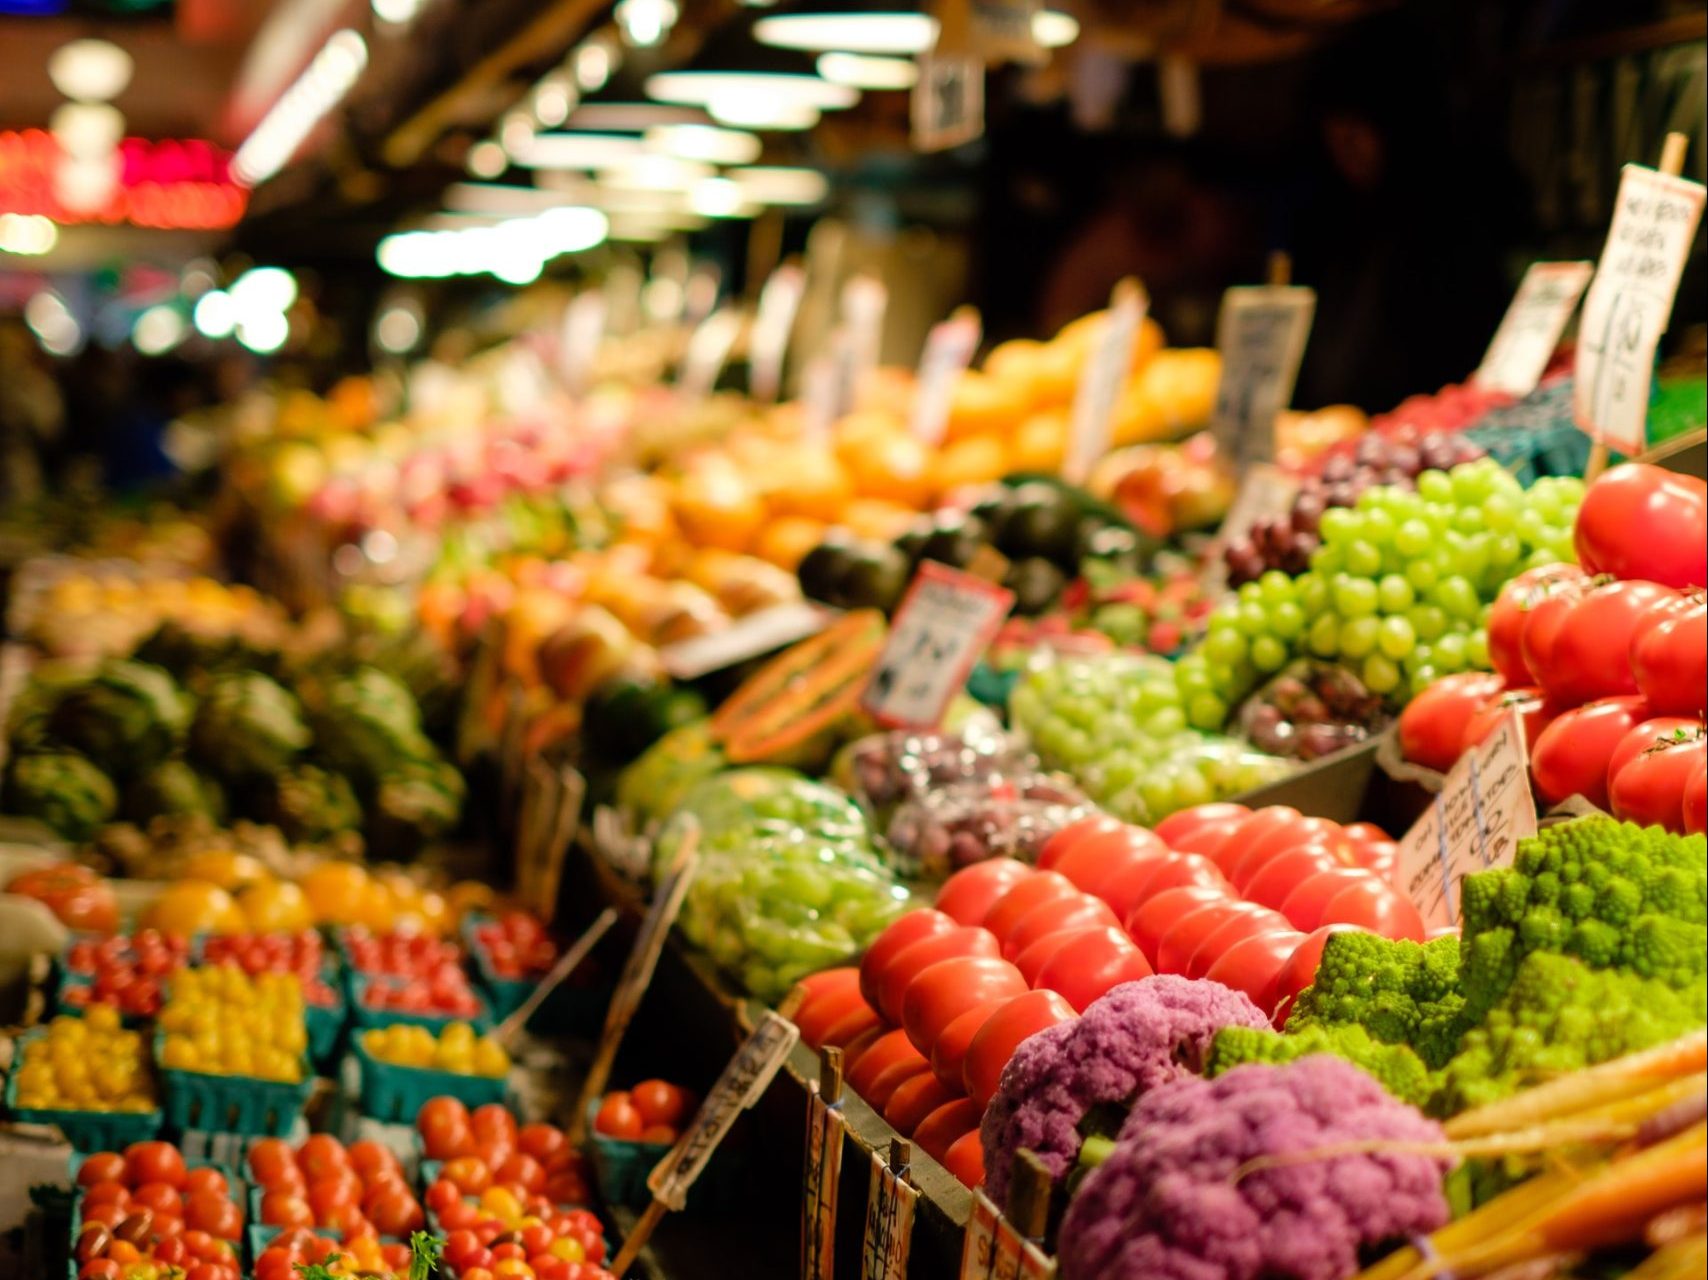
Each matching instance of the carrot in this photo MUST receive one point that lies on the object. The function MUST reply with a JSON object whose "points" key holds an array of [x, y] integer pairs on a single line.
{"points": [[1610, 1122], [1688, 1055], [1510, 1208], [1683, 1259]]}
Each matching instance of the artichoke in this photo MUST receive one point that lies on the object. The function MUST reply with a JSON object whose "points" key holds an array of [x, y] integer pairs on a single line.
{"points": [[173, 787], [310, 804], [126, 718], [64, 790], [186, 651], [369, 727], [417, 803], [248, 726]]}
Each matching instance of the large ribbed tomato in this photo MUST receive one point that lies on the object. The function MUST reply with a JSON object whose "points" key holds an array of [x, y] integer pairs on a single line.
{"points": [[1640, 521]]}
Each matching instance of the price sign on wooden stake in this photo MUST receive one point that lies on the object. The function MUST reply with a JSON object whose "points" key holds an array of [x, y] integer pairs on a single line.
{"points": [[823, 1166], [1102, 379], [768, 344], [1531, 328], [1261, 334], [945, 621], [949, 349], [890, 1201], [708, 350], [947, 105], [1630, 301], [1483, 811], [578, 340]]}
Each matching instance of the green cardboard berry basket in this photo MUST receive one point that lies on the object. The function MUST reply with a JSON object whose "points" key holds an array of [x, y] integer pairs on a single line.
{"points": [[325, 1022], [213, 1103], [396, 1093], [567, 1008], [235, 1184], [84, 1130], [361, 1016]]}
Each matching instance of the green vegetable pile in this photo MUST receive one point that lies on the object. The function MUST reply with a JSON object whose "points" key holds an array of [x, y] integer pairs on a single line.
{"points": [[1590, 946]]}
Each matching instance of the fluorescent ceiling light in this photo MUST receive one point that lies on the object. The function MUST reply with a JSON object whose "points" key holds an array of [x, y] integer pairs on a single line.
{"points": [[157, 330], [264, 332], [759, 112], [706, 88], [577, 150], [497, 198], [703, 142], [868, 71], [592, 65], [777, 185], [892, 33], [720, 198], [90, 70], [53, 324], [331, 75], [396, 12], [630, 117], [1054, 29], [645, 23], [27, 234], [655, 173], [215, 315], [263, 289], [398, 329], [486, 159], [513, 249], [554, 98]]}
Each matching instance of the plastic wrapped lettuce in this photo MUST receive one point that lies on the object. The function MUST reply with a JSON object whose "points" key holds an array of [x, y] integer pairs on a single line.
{"points": [[789, 880], [1116, 723]]}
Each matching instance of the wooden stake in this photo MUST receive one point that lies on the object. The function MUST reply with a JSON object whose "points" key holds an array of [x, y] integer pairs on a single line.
{"points": [[901, 1154], [1029, 1196], [830, 1074], [644, 1227], [567, 964], [1280, 268]]}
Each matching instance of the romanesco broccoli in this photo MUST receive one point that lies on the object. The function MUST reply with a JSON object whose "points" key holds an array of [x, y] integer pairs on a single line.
{"points": [[1400, 992], [1560, 1015], [1401, 1071]]}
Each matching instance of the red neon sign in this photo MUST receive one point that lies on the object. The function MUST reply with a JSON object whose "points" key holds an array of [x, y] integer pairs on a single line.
{"points": [[170, 184]]}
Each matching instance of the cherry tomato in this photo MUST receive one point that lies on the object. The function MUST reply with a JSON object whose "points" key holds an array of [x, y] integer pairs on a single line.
{"points": [[1572, 754], [1018, 902], [1000, 1036], [1374, 905], [214, 1214], [914, 1099], [466, 1174], [1511, 612], [368, 1157], [444, 1127], [1056, 916], [161, 1198], [1301, 968], [968, 895], [1650, 789], [1254, 964], [529, 1172], [915, 926], [100, 1166], [397, 1213], [1591, 655], [1643, 521], [273, 1163], [1147, 923], [1432, 726], [1092, 964], [965, 1159], [205, 1179], [961, 942], [661, 1102], [1669, 657], [938, 1131], [1234, 930], [321, 1155], [950, 1051], [493, 1121], [99, 1269], [1183, 823], [617, 1117], [942, 991], [1097, 856], [106, 1193], [285, 1209], [154, 1162], [1304, 907]]}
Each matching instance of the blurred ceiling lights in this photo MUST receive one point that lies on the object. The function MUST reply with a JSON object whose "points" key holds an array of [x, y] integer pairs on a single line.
{"points": [[868, 71], [397, 12], [770, 184], [513, 249], [331, 75], [487, 159], [886, 33], [157, 330], [645, 23], [753, 99], [720, 198], [53, 324], [576, 150], [703, 142], [215, 315], [90, 70], [28, 235]]}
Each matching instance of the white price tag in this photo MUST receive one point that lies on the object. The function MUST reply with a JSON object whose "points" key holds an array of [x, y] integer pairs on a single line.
{"points": [[768, 344], [708, 349], [1531, 329], [578, 343], [822, 1180], [1102, 379], [890, 1201], [864, 301], [978, 1250], [1261, 334], [747, 637], [948, 351], [1483, 811], [947, 105], [1630, 302], [943, 623]]}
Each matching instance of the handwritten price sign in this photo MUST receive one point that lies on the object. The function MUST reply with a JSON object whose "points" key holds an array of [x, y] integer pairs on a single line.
{"points": [[1261, 333], [1531, 328], [995, 1249], [945, 621]]}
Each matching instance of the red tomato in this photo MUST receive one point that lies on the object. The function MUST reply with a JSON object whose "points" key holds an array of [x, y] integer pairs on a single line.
{"points": [[442, 1193], [1543, 620], [203, 1179], [855, 1049], [1056, 916], [1018, 902], [78, 897], [1669, 657], [965, 1159], [99, 1269], [941, 992], [1091, 964], [369, 1158], [214, 1214], [1696, 804], [1284, 872], [1321, 831], [469, 1175], [1571, 756], [1182, 936], [1432, 726], [1650, 790], [1146, 924], [938, 1131], [971, 892], [1022, 1017], [529, 1172], [161, 1198], [1183, 823], [963, 941], [890, 1050], [1209, 838], [1071, 835], [1130, 886], [1642, 521], [1301, 969], [851, 1027], [950, 1051], [397, 1213], [828, 1003], [1511, 612], [1374, 905], [1591, 657], [1254, 964], [321, 1155], [661, 1102], [1274, 817], [100, 1166], [1097, 858], [493, 1121], [154, 1162], [444, 1127], [902, 933], [913, 1100], [547, 1143], [1233, 931], [1535, 712], [1644, 735], [283, 1209], [1305, 905], [617, 1117], [1177, 870], [272, 1162], [106, 1193]]}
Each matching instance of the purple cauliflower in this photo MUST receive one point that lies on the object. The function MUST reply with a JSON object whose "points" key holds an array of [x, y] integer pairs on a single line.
{"points": [[1135, 1037], [1167, 1203]]}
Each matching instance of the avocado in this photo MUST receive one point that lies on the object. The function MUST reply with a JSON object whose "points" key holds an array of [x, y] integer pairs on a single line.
{"points": [[954, 539], [913, 541], [1036, 584], [823, 569], [876, 578], [992, 504], [1041, 521]]}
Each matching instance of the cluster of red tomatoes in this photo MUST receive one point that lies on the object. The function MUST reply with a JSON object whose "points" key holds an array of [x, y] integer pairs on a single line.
{"points": [[78, 897], [366, 1257], [651, 1111], [486, 1147], [127, 971], [412, 973], [354, 1191], [146, 1209], [302, 953], [1608, 673], [516, 945]]}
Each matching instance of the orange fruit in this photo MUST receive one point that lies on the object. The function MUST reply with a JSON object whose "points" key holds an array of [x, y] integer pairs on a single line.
{"points": [[980, 405], [894, 466], [1041, 442], [875, 518], [335, 890], [272, 906], [469, 895], [224, 867], [1016, 363], [716, 506], [786, 539], [194, 906], [978, 460], [807, 481]]}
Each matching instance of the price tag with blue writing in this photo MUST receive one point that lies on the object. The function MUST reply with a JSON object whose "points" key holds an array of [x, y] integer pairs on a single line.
{"points": [[1261, 334], [890, 1201], [944, 622]]}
